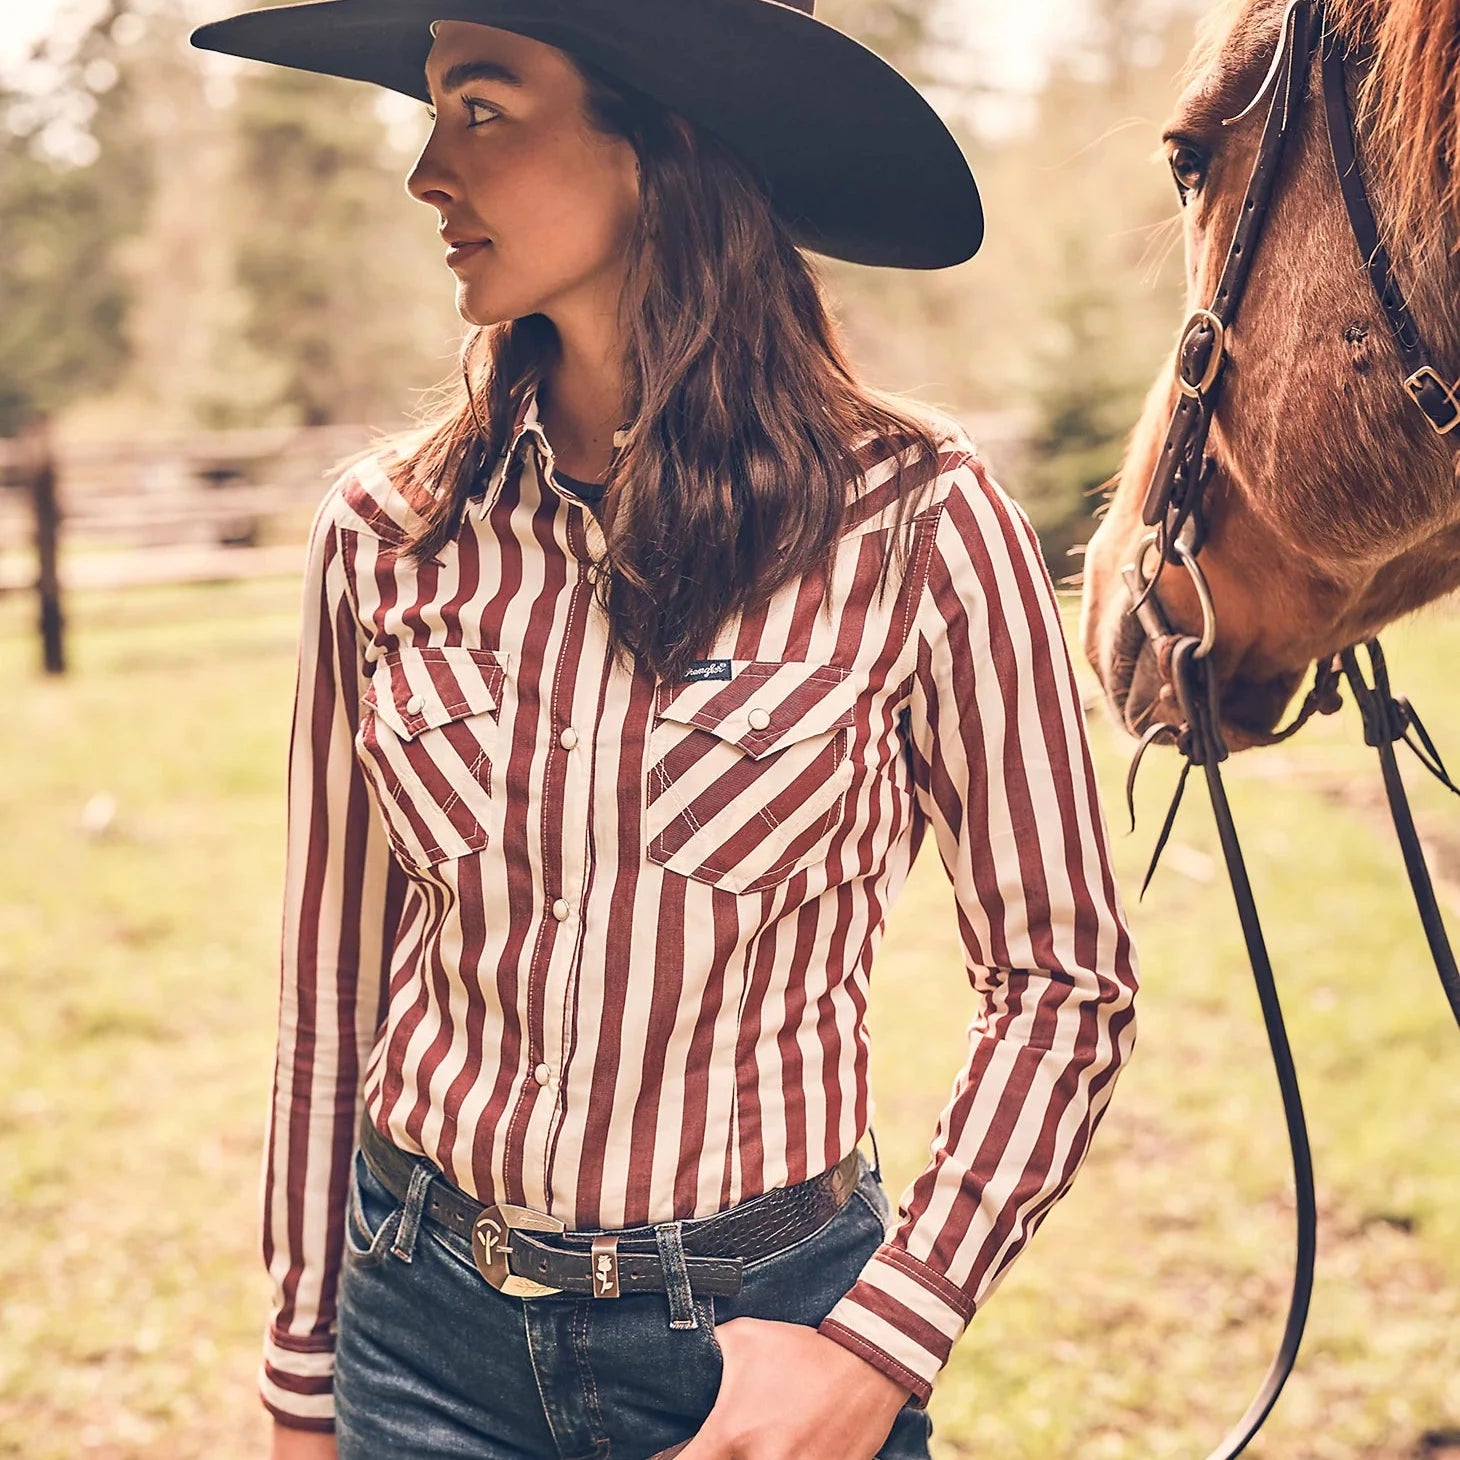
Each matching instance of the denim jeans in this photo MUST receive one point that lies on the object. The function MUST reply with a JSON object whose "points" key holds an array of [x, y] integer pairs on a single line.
{"points": [[433, 1362]]}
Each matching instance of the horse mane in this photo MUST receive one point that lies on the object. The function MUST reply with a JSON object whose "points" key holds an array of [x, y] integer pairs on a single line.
{"points": [[1408, 101], [1410, 106]]}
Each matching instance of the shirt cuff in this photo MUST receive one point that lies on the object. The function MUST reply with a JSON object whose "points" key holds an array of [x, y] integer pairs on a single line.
{"points": [[903, 1317], [296, 1380]]}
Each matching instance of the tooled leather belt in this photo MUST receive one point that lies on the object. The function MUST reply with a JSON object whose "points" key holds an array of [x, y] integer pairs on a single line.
{"points": [[527, 1253]]}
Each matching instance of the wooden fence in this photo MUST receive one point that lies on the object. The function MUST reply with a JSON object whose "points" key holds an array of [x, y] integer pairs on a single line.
{"points": [[206, 507], [167, 509]]}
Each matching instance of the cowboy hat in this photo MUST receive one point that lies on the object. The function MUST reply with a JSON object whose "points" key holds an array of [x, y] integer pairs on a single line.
{"points": [[854, 159]]}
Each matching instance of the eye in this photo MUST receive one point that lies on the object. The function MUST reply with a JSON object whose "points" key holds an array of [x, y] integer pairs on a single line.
{"points": [[1188, 166], [474, 110]]}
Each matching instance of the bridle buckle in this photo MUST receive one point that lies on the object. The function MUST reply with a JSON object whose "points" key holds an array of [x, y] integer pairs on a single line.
{"points": [[1428, 378], [491, 1246], [1202, 319]]}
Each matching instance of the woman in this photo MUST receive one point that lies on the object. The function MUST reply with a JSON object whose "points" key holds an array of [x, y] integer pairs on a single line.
{"points": [[627, 691]]}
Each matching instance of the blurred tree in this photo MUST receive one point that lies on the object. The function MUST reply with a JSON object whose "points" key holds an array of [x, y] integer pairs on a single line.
{"points": [[1108, 266], [75, 175], [180, 261], [1086, 397], [229, 244], [339, 269]]}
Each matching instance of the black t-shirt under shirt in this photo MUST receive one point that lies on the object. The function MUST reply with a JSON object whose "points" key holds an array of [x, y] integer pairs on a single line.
{"points": [[591, 492]]}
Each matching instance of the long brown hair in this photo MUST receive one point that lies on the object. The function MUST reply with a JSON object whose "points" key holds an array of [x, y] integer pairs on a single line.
{"points": [[746, 413]]}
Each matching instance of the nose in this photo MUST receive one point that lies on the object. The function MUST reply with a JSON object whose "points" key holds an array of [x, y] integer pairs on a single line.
{"points": [[431, 180]]}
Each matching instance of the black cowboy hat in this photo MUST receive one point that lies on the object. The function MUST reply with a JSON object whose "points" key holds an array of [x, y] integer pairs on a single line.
{"points": [[854, 159]]}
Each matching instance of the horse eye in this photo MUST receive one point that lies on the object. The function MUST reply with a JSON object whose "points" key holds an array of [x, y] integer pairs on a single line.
{"points": [[1188, 167]]}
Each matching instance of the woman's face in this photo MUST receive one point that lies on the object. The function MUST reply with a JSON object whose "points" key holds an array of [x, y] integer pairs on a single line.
{"points": [[539, 205]]}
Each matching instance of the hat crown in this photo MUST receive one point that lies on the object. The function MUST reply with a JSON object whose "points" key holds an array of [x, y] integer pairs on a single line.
{"points": [[874, 176]]}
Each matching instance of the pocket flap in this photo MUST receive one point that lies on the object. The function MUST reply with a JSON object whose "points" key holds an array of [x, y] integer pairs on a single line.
{"points": [[766, 704], [418, 689]]}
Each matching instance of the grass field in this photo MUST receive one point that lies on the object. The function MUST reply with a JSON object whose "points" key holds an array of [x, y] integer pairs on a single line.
{"points": [[138, 965]]}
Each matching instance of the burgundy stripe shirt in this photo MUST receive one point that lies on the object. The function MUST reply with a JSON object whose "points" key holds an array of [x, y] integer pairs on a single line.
{"points": [[600, 944]]}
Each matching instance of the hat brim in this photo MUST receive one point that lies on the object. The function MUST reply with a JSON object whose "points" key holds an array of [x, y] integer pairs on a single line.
{"points": [[854, 158]]}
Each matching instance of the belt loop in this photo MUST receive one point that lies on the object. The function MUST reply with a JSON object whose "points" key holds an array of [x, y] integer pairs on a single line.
{"points": [[669, 1237], [404, 1245], [876, 1159]]}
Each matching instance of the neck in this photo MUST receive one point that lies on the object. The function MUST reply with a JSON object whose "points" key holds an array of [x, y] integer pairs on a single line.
{"points": [[580, 404]]}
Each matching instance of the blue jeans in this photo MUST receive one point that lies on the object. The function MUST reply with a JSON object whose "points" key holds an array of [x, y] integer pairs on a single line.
{"points": [[433, 1362]]}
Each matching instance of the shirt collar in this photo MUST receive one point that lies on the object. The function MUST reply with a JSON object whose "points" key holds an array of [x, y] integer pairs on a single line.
{"points": [[526, 424]]}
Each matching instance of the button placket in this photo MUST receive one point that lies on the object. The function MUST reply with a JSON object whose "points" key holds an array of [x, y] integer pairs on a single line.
{"points": [[568, 766]]}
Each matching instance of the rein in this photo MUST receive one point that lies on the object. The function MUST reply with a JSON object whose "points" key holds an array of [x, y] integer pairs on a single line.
{"points": [[1173, 510]]}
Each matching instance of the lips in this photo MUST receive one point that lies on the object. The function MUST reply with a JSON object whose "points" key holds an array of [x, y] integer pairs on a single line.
{"points": [[458, 250]]}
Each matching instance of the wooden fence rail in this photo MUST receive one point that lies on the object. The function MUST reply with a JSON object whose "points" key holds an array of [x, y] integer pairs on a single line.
{"points": [[207, 507]]}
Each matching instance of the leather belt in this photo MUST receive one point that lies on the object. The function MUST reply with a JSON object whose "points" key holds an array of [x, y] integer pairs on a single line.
{"points": [[528, 1253]]}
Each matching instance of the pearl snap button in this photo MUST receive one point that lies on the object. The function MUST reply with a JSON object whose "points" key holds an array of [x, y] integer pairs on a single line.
{"points": [[415, 705], [568, 739], [560, 909], [759, 719], [542, 1074]]}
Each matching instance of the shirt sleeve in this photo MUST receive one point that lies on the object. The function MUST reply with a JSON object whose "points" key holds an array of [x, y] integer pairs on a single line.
{"points": [[1002, 770], [342, 896]]}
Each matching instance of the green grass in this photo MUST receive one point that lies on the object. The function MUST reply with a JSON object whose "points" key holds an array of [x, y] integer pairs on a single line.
{"points": [[138, 973]]}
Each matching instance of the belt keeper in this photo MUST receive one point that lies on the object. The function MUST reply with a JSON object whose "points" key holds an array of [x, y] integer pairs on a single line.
{"points": [[404, 1245], [605, 1267], [669, 1237]]}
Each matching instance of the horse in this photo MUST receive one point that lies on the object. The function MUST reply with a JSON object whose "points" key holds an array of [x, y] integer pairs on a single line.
{"points": [[1293, 483], [1330, 502]]}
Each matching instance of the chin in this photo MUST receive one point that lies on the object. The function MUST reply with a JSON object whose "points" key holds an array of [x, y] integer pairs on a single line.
{"points": [[479, 315], [477, 306]]}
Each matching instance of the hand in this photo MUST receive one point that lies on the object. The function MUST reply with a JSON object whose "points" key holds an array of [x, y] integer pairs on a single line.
{"points": [[788, 1392], [290, 1443]]}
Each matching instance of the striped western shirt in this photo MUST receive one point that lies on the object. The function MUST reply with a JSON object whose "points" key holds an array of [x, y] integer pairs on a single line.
{"points": [[599, 944]]}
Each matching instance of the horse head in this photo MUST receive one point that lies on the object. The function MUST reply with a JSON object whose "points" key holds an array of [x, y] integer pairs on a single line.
{"points": [[1330, 502]]}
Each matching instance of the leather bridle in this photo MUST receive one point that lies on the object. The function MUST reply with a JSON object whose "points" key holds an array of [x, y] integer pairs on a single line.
{"points": [[1173, 511]]}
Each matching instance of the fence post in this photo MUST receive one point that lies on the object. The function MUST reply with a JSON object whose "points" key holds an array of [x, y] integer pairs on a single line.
{"points": [[47, 511]]}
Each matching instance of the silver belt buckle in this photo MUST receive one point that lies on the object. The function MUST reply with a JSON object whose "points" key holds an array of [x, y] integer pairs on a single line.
{"points": [[491, 1245]]}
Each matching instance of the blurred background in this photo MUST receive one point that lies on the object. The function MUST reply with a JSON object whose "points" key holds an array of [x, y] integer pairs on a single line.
{"points": [[213, 286]]}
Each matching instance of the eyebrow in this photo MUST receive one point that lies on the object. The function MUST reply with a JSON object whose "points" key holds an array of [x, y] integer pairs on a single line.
{"points": [[481, 70]]}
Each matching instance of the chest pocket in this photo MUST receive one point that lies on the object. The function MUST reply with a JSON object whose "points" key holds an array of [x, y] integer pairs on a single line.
{"points": [[428, 738], [747, 776]]}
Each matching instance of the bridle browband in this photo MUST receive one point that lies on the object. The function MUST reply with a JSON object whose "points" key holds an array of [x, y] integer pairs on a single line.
{"points": [[1173, 511]]}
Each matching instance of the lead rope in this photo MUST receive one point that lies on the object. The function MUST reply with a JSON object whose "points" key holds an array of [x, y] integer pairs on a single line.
{"points": [[1387, 720], [1201, 744]]}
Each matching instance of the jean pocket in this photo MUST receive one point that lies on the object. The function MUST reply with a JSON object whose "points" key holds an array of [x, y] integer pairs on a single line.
{"points": [[872, 1191], [372, 1216], [706, 1309]]}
